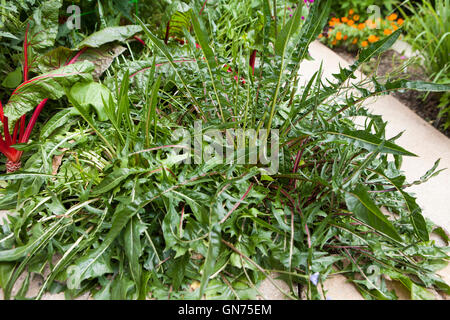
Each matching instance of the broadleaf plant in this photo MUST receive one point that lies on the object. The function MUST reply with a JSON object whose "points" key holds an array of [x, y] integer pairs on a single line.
{"points": [[56, 70], [114, 209]]}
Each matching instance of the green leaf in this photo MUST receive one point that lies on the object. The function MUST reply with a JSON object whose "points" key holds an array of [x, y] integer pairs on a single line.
{"points": [[288, 30], [370, 142], [112, 180], [417, 292], [109, 34], [39, 238], [51, 85], [373, 50], [150, 116], [24, 175], [177, 270], [6, 270], [101, 57], [58, 120], [359, 202], [211, 256], [417, 219], [419, 86], [42, 30], [313, 26], [160, 45], [13, 79], [211, 62], [96, 262], [87, 117], [179, 21], [133, 249], [378, 47], [91, 94]]}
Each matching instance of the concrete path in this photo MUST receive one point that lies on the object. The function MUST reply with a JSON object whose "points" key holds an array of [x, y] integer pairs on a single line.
{"points": [[419, 137]]}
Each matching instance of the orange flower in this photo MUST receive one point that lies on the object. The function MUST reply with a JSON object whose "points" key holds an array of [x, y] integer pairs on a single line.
{"points": [[364, 44], [334, 42], [353, 26], [361, 26], [371, 24], [394, 26], [344, 19], [392, 17], [351, 12], [345, 37], [387, 31], [350, 22], [331, 23], [372, 38], [355, 41], [339, 35], [356, 17], [320, 36], [400, 21]]}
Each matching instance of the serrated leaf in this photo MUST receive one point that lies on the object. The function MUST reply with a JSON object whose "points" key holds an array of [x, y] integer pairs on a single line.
{"points": [[368, 141], [95, 262], [417, 219]]}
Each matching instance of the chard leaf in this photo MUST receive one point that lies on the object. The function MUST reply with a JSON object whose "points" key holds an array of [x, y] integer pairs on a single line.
{"points": [[108, 35], [51, 85], [101, 57], [42, 30]]}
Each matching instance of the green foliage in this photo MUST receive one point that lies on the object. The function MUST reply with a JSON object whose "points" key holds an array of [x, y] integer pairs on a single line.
{"points": [[126, 219], [429, 31]]}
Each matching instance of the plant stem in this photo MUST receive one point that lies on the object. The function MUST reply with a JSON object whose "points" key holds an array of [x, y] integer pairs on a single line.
{"points": [[32, 122]]}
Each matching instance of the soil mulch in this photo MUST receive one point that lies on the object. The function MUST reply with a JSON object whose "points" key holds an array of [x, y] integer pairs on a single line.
{"points": [[426, 108]]}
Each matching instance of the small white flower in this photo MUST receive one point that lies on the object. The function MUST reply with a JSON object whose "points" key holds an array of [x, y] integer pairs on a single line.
{"points": [[314, 278]]}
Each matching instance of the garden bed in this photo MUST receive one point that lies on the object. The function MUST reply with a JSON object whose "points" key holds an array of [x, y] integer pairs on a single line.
{"points": [[120, 191]]}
